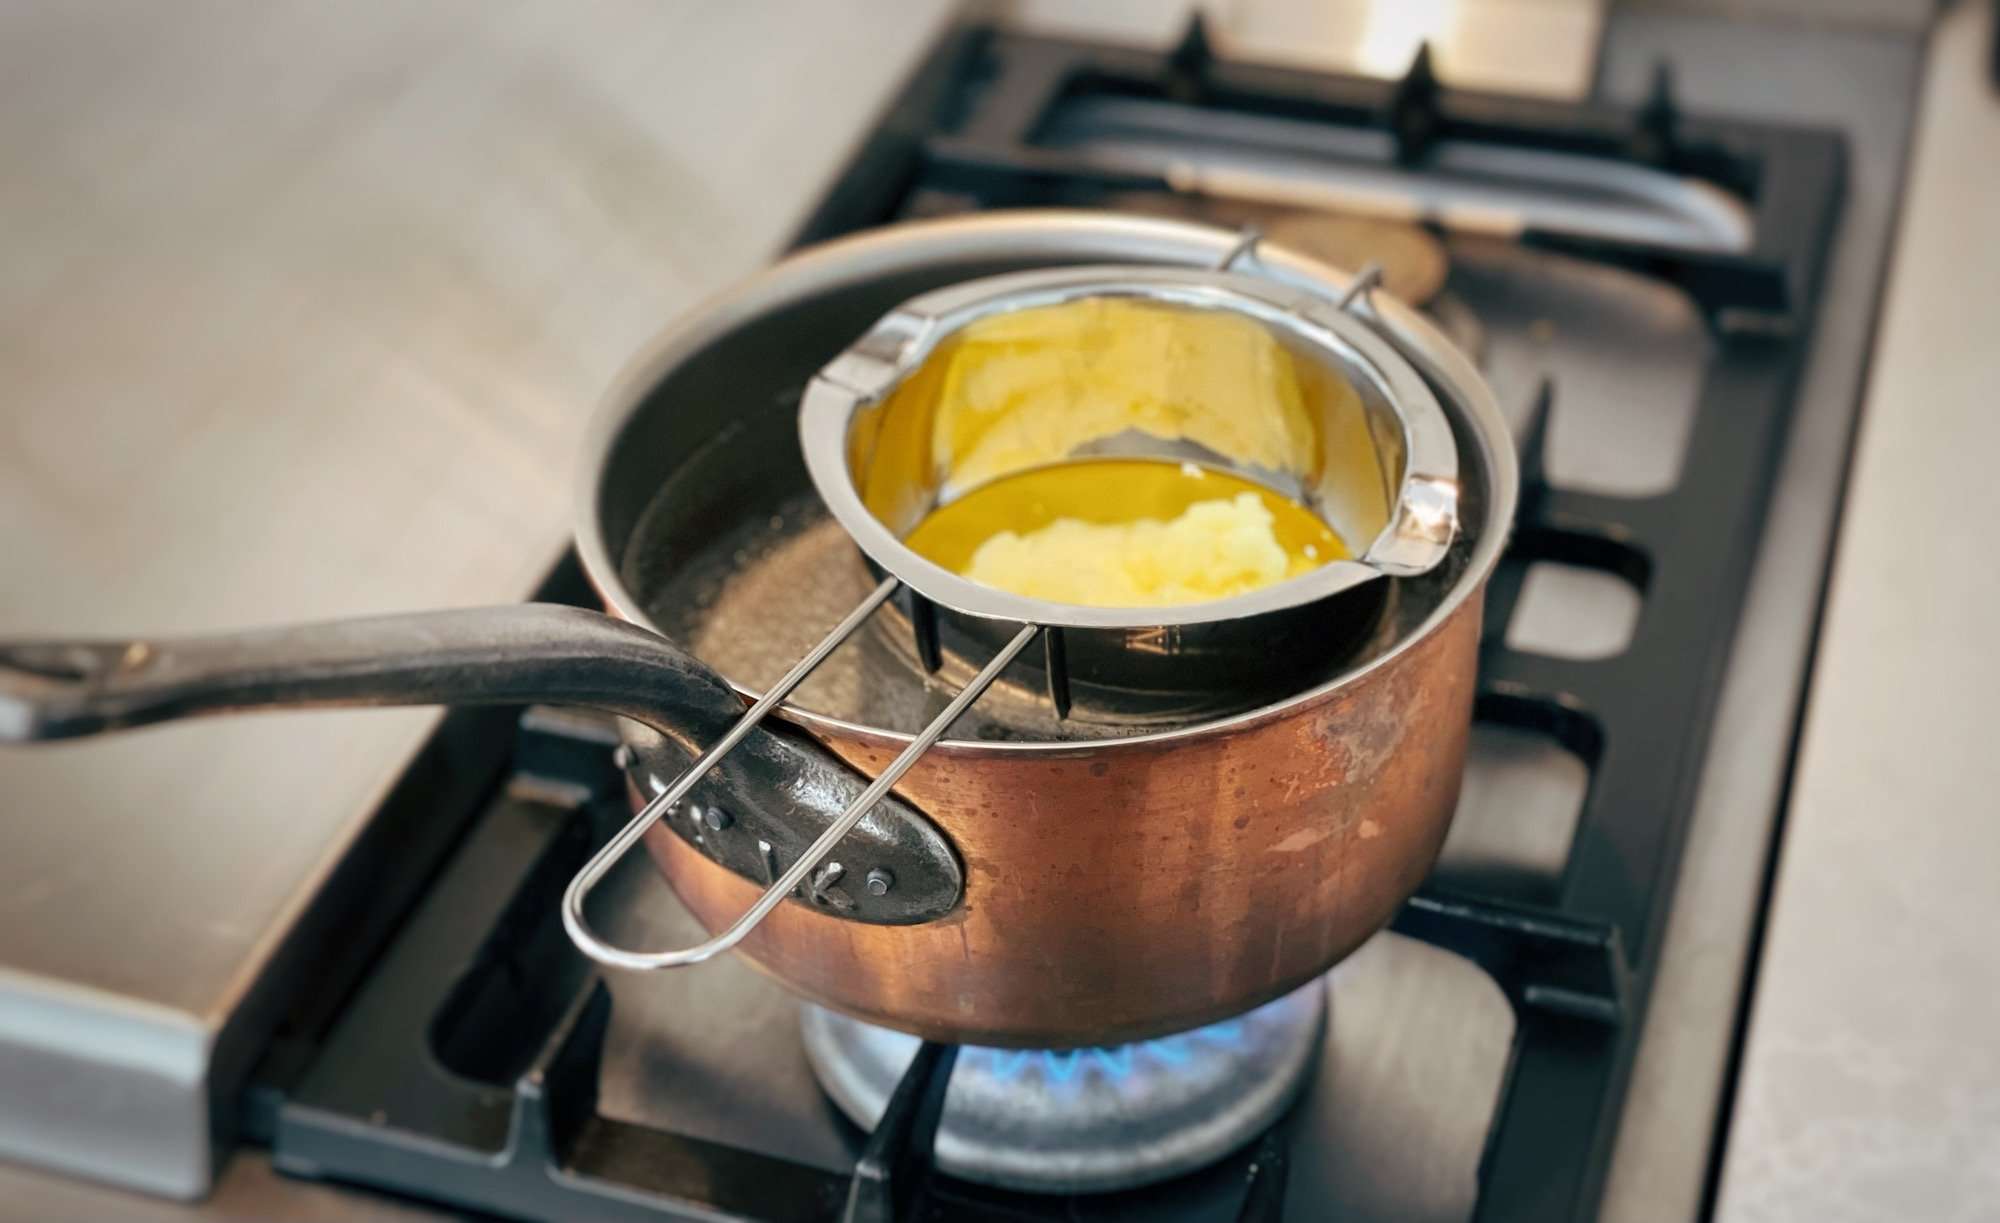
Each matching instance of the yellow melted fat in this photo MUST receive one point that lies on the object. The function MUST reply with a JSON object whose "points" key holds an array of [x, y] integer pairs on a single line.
{"points": [[1125, 533], [1026, 389], [1012, 400]]}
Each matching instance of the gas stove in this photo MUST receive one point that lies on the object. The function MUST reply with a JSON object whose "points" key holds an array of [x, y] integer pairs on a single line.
{"points": [[1641, 287]]}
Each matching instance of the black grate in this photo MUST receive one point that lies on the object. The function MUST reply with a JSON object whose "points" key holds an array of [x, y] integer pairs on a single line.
{"points": [[465, 1068]]}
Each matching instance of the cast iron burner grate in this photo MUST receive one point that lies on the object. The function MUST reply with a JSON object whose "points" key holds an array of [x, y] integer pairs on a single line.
{"points": [[465, 1068]]}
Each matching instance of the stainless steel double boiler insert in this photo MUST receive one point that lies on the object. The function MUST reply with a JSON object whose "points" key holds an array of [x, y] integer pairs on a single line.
{"points": [[1374, 458]]}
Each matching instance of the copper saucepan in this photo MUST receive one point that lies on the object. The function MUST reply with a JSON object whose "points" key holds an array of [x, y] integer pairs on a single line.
{"points": [[1039, 881]]}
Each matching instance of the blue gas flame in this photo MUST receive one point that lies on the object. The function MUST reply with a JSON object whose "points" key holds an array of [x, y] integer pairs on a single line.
{"points": [[1113, 1062]]}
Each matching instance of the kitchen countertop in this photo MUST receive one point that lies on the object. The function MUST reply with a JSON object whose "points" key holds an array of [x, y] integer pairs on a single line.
{"points": [[1871, 1074], [1861, 78], [302, 310]]}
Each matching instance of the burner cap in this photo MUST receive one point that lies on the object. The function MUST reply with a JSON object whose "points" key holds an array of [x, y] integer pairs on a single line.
{"points": [[1087, 1120], [1413, 260]]}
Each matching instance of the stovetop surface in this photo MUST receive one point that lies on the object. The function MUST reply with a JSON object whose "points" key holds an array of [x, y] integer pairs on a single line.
{"points": [[1648, 387]]}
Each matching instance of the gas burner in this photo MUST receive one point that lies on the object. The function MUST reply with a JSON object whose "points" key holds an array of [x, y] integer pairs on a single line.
{"points": [[1415, 261], [1087, 1120]]}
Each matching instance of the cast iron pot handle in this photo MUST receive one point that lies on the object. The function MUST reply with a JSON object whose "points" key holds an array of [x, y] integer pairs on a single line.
{"points": [[515, 654], [519, 654]]}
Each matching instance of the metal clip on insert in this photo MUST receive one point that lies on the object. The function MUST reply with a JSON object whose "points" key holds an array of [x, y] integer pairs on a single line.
{"points": [[601, 863]]}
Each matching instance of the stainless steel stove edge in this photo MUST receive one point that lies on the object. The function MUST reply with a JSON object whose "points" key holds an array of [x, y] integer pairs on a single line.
{"points": [[114, 1089]]}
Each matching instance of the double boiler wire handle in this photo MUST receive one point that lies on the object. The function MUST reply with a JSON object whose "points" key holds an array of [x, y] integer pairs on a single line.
{"points": [[594, 870], [1386, 471]]}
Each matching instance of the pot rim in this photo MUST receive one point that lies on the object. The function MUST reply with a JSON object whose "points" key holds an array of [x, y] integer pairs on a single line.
{"points": [[1013, 232]]}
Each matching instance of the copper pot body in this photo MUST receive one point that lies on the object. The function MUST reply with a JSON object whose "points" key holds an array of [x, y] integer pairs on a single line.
{"points": [[1135, 888], [1114, 889]]}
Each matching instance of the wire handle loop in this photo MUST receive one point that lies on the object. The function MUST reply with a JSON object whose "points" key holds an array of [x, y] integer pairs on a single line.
{"points": [[601, 863]]}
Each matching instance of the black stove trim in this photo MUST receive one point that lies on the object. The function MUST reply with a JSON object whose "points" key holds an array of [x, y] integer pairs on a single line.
{"points": [[376, 1106]]}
